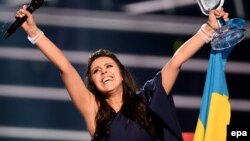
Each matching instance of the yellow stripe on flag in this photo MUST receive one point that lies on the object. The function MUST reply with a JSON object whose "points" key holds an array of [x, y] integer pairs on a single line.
{"points": [[218, 118], [199, 132]]}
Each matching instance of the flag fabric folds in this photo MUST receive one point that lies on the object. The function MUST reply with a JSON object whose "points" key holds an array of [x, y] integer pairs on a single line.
{"points": [[215, 108]]}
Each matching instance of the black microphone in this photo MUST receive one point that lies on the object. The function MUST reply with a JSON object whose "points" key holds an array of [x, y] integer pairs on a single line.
{"points": [[35, 4]]}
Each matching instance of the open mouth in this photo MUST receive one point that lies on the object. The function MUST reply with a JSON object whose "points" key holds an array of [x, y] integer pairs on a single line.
{"points": [[106, 79]]}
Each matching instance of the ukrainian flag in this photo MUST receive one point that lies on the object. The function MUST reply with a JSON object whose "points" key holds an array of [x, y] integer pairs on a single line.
{"points": [[215, 108], [215, 111]]}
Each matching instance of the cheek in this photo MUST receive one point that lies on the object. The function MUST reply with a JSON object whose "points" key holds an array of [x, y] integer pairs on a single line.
{"points": [[120, 75]]}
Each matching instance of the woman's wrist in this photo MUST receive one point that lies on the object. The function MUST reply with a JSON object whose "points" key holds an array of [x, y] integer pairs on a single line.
{"points": [[208, 29], [207, 33], [35, 35], [32, 31], [210, 26]]}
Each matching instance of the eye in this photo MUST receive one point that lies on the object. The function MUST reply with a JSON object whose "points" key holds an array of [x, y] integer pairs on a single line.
{"points": [[95, 71], [109, 66]]}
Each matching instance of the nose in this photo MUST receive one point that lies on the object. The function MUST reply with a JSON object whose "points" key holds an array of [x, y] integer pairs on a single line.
{"points": [[103, 70]]}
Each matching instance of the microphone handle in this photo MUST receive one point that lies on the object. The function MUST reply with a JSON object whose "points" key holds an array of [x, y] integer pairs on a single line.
{"points": [[17, 23]]}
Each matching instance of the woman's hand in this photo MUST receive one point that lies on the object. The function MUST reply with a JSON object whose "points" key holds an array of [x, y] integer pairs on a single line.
{"points": [[214, 15], [29, 25]]}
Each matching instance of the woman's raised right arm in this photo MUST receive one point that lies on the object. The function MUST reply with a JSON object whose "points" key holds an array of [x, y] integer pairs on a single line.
{"points": [[82, 98]]}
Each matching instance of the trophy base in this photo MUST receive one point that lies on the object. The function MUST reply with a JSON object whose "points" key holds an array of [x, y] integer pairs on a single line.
{"points": [[229, 35]]}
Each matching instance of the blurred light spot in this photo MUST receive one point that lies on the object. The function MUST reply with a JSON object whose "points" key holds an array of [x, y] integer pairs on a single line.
{"points": [[177, 44]]}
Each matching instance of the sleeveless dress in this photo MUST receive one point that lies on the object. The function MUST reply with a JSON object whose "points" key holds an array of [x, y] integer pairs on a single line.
{"points": [[162, 111]]}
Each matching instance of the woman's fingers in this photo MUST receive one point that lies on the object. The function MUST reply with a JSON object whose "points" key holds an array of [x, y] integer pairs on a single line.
{"points": [[25, 6], [20, 13], [215, 14]]}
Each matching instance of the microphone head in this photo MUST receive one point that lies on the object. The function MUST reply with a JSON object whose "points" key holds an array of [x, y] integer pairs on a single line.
{"points": [[36, 3]]}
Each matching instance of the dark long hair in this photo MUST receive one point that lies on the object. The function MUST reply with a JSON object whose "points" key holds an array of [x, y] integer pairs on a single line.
{"points": [[133, 108]]}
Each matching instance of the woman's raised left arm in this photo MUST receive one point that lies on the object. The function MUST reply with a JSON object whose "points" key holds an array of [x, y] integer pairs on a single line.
{"points": [[171, 70]]}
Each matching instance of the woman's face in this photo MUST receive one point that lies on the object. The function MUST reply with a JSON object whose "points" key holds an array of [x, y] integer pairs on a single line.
{"points": [[106, 75]]}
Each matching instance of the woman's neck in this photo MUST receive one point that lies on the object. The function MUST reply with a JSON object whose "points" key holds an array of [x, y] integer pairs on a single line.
{"points": [[115, 102]]}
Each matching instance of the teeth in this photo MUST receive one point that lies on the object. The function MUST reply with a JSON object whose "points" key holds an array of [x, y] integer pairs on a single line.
{"points": [[105, 79]]}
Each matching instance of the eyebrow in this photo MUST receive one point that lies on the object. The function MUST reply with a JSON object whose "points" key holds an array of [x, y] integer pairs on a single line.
{"points": [[104, 65]]}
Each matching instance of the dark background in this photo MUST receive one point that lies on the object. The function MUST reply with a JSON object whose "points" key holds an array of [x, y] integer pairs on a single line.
{"points": [[23, 72]]}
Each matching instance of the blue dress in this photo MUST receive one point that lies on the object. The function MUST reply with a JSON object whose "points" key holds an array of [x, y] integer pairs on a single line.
{"points": [[162, 111]]}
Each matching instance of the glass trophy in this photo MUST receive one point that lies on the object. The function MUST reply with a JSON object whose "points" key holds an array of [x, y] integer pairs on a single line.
{"points": [[230, 33]]}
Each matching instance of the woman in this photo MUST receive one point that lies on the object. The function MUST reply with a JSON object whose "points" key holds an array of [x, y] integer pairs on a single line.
{"points": [[108, 102]]}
